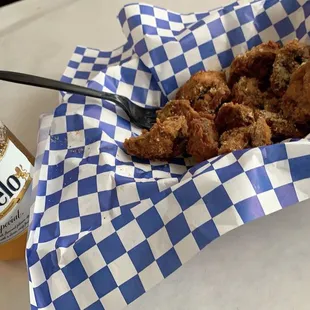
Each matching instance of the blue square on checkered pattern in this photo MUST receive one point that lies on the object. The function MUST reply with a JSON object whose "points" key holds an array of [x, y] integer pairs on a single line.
{"points": [[84, 75], [287, 195], [146, 9], [103, 287], [128, 75], [207, 50], [235, 36], [65, 242], [45, 157], [160, 23], [42, 294], [205, 233], [149, 30], [108, 200], [73, 64], [274, 153], [123, 219], [178, 63], [80, 50], [160, 196], [229, 172], [71, 176], [141, 47], [77, 99], [150, 222], [158, 55], [92, 135], [295, 166], [139, 94], [115, 59], [50, 264], [177, 229], [198, 24], [60, 110], [134, 21], [170, 85], [306, 9], [197, 67], [250, 209], [111, 248], [32, 255], [226, 58], [90, 222], [74, 273], [52, 200], [254, 41], [145, 188], [173, 17], [95, 306], [41, 189], [122, 18], [93, 111], [141, 256], [55, 171], [68, 300], [217, 201], [77, 152], [111, 83], [58, 142], [301, 30], [123, 123], [36, 219], [87, 186], [188, 42], [132, 289], [262, 22], [187, 195], [284, 27], [84, 244], [245, 14], [169, 262], [216, 28], [290, 6], [259, 179]]}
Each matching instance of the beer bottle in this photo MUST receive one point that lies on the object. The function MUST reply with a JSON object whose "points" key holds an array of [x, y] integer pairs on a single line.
{"points": [[15, 195]]}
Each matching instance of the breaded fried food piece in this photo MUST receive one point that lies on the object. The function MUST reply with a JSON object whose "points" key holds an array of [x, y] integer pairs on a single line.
{"points": [[246, 91], [232, 115], [177, 108], [288, 59], [256, 63], [260, 133], [161, 142], [203, 139], [235, 139], [281, 128], [296, 101], [205, 90]]}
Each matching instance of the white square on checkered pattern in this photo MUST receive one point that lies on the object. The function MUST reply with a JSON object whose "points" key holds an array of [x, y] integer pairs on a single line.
{"points": [[32, 297], [90, 52], [225, 161], [269, 202], [122, 269], [212, 63], [38, 276], [148, 20], [108, 117], [296, 18], [277, 12], [197, 214], [56, 157], [192, 57], [86, 67], [122, 156], [125, 170], [239, 188], [161, 13], [49, 307], [51, 215], [188, 18], [177, 169], [73, 109], [86, 171], [182, 77], [59, 125], [269, 34], [85, 294], [187, 248], [123, 196], [164, 32], [207, 182], [279, 173], [89, 204], [114, 300], [230, 21], [69, 72], [44, 248], [221, 43], [77, 57], [69, 192], [131, 235], [251, 159], [159, 174], [124, 89], [103, 232], [168, 208], [297, 149], [160, 243], [302, 189], [142, 79], [71, 163], [40, 204], [70, 227], [249, 30], [142, 207], [76, 139], [44, 172], [239, 49], [164, 74], [90, 122], [105, 181], [175, 26], [202, 34], [227, 220], [150, 276], [65, 256], [106, 159], [173, 49], [54, 185], [58, 285]]}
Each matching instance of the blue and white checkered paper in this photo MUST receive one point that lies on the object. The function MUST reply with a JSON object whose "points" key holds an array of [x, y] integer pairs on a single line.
{"points": [[108, 227]]}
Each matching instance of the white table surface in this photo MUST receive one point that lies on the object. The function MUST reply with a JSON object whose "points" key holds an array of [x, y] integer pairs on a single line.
{"points": [[262, 265]]}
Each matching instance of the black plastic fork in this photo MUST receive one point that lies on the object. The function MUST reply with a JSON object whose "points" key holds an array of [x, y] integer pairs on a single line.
{"points": [[141, 117]]}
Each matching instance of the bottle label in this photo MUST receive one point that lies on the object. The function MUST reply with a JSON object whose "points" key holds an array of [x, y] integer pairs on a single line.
{"points": [[15, 192]]}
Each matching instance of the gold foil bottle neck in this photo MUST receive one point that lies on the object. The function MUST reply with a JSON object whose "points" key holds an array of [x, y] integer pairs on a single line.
{"points": [[3, 139]]}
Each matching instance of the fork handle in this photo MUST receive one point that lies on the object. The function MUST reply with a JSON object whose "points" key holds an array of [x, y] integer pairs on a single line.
{"points": [[32, 80]]}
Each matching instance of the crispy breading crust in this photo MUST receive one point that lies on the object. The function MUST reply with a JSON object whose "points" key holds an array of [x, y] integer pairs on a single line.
{"points": [[260, 133]]}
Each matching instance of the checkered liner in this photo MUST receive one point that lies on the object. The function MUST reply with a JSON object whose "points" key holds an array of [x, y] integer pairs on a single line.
{"points": [[106, 226]]}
